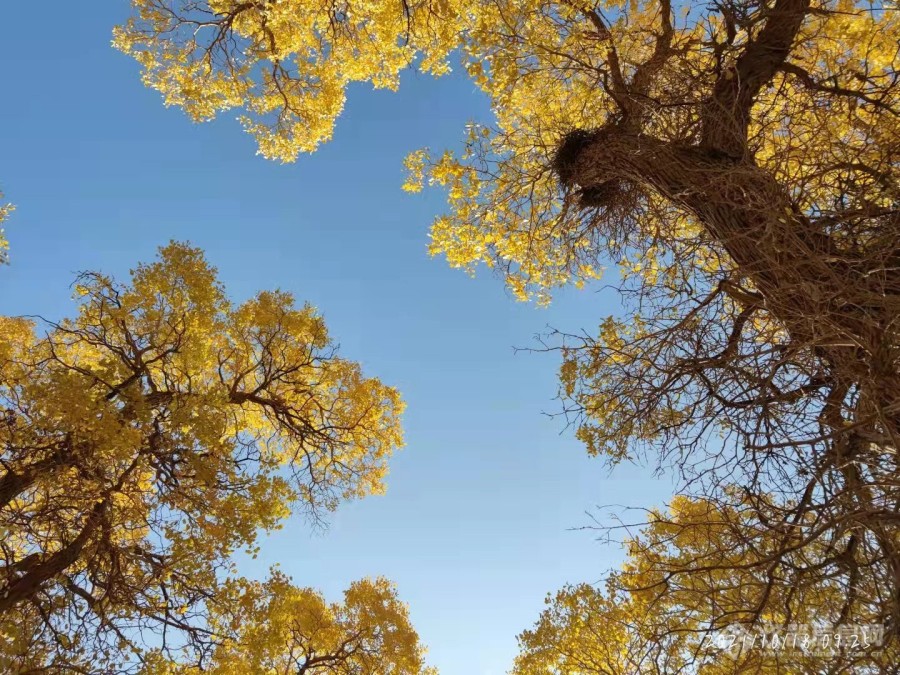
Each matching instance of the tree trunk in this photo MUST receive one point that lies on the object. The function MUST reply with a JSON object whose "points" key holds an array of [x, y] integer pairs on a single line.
{"points": [[843, 304]]}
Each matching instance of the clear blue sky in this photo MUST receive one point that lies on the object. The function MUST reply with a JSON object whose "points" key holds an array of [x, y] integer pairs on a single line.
{"points": [[476, 527]]}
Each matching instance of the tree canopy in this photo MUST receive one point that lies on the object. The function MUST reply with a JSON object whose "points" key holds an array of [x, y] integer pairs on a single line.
{"points": [[695, 573], [152, 436], [652, 617], [276, 627]]}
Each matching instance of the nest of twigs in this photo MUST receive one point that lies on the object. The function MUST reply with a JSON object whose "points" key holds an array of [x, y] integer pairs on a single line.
{"points": [[565, 160], [607, 194]]}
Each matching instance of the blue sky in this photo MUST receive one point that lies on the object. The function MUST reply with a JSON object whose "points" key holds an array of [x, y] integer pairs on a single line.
{"points": [[477, 525]]}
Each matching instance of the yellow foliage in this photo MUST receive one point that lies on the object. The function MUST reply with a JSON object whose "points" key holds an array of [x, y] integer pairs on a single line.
{"points": [[690, 575], [276, 627], [548, 68], [158, 431]]}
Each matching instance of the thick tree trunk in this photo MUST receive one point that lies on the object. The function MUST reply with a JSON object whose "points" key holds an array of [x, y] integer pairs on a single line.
{"points": [[843, 304]]}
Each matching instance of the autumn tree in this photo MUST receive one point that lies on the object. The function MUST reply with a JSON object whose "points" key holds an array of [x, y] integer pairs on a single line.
{"points": [[592, 631], [738, 160], [276, 627], [653, 617], [150, 437]]}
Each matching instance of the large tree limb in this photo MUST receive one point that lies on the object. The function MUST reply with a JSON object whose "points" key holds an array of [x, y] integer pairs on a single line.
{"points": [[40, 572], [837, 302], [726, 116]]}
